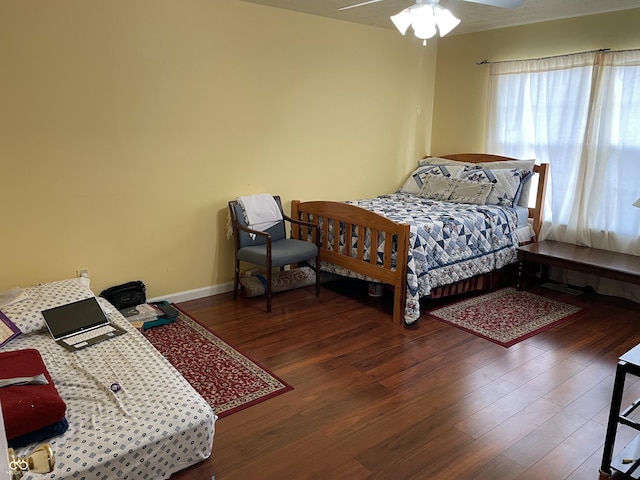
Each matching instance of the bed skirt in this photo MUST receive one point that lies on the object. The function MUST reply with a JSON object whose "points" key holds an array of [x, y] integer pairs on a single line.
{"points": [[488, 281]]}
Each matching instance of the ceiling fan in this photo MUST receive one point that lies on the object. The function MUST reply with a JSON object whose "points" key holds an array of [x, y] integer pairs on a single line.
{"points": [[493, 3], [427, 15]]}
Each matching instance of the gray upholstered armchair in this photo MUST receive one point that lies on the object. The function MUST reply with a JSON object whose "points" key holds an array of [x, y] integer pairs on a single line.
{"points": [[271, 248]]}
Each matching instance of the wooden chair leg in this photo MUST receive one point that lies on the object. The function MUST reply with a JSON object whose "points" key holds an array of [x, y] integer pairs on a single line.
{"points": [[317, 270], [236, 279], [269, 289]]}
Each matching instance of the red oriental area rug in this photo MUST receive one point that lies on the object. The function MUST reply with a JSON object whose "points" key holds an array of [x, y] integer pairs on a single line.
{"points": [[506, 316], [228, 380]]}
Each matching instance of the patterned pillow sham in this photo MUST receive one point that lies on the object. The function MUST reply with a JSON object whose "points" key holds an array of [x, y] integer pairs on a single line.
{"points": [[523, 199], [507, 183], [436, 187], [417, 178], [27, 315], [470, 192]]}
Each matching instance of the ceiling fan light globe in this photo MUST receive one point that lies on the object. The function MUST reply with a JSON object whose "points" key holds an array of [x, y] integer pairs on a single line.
{"points": [[402, 20], [424, 31], [422, 10], [423, 21], [445, 20]]}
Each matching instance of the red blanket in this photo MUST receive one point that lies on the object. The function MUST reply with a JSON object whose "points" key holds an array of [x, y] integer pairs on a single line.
{"points": [[27, 408]]}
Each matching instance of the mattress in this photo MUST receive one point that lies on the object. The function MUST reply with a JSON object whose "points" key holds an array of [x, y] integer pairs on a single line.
{"points": [[151, 424]]}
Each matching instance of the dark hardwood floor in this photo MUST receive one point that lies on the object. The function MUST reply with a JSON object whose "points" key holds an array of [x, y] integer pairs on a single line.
{"points": [[373, 399]]}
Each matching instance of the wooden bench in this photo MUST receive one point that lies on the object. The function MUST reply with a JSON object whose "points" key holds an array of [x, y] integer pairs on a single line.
{"points": [[603, 263]]}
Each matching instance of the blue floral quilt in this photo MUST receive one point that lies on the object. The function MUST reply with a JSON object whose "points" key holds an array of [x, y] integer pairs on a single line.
{"points": [[449, 242]]}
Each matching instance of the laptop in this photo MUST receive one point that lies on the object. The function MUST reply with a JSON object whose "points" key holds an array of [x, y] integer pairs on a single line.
{"points": [[80, 324]]}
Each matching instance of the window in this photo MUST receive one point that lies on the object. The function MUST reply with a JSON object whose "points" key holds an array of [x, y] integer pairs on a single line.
{"points": [[581, 114]]}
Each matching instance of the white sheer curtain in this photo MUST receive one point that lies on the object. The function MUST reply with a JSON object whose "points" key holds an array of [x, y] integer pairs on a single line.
{"points": [[581, 114]]}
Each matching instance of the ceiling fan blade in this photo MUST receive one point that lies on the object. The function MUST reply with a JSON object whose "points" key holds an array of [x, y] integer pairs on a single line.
{"points": [[359, 4], [499, 3]]}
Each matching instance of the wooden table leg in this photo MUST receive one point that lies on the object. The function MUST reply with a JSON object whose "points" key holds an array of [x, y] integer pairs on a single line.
{"points": [[521, 275], [612, 424], [544, 276]]}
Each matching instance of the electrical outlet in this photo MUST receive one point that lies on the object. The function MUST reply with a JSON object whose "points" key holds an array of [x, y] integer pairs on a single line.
{"points": [[83, 272]]}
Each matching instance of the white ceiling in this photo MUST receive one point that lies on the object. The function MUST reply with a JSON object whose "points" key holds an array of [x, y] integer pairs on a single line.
{"points": [[474, 17]]}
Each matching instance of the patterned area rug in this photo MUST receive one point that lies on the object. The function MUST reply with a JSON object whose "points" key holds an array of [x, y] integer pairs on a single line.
{"points": [[228, 380], [506, 316]]}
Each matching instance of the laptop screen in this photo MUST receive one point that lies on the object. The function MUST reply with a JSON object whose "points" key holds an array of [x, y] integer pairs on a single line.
{"points": [[74, 317]]}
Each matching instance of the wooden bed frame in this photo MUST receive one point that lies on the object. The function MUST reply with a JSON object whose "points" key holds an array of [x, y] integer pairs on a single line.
{"points": [[352, 216]]}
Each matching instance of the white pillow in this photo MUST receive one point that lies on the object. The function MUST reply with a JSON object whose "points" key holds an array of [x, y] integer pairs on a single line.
{"points": [[521, 164], [27, 315]]}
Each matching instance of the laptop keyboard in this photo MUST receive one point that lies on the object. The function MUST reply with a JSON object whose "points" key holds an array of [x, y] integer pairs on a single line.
{"points": [[83, 337]]}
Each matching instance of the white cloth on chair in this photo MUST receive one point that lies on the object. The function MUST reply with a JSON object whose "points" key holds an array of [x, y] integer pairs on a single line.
{"points": [[261, 210]]}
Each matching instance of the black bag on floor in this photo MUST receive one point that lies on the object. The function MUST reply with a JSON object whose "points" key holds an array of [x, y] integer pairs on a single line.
{"points": [[126, 295]]}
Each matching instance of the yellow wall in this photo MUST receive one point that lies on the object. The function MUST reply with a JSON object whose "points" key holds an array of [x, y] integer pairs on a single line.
{"points": [[126, 126], [461, 85]]}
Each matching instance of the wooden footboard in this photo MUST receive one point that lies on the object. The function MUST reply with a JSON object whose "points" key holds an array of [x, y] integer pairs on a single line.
{"points": [[346, 218]]}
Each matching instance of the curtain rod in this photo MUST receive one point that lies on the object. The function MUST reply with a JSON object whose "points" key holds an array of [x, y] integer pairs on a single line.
{"points": [[487, 62]]}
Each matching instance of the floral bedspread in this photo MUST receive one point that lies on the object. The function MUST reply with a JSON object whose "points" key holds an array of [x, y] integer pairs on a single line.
{"points": [[449, 242]]}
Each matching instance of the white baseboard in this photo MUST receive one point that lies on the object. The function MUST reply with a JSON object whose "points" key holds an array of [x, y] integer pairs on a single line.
{"points": [[194, 294]]}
